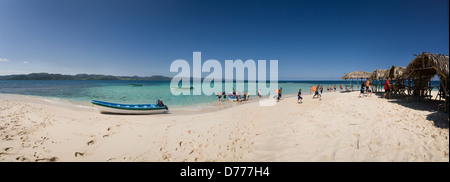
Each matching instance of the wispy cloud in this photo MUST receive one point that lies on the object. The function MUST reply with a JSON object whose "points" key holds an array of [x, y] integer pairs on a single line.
{"points": [[4, 60], [25, 62]]}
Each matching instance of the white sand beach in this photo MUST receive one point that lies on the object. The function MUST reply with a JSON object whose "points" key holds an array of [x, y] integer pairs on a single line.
{"points": [[340, 127]]}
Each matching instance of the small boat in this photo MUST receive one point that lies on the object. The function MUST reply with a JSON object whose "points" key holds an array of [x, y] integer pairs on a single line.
{"points": [[183, 88], [135, 85], [115, 108], [231, 96]]}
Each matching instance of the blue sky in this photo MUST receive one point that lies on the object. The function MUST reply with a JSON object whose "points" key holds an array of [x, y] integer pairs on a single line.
{"points": [[312, 40]]}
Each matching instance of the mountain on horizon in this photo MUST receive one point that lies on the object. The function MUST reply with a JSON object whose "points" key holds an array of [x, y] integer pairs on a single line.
{"points": [[48, 76]]}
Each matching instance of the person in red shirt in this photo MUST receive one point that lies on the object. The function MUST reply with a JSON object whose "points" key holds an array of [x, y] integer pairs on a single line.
{"points": [[387, 88]]}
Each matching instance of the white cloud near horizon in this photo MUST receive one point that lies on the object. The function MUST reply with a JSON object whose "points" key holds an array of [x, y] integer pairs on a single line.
{"points": [[25, 62], [4, 60]]}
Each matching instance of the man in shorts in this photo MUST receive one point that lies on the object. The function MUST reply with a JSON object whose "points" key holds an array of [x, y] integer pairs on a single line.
{"points": [[387, 88]]}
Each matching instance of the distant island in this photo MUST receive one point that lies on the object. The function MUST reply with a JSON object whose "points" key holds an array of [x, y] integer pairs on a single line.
{"points": [[47, 76]]}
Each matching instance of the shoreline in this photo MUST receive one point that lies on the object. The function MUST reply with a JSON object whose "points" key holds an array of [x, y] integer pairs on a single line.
{"points": [[340, 127], [87, 106]]}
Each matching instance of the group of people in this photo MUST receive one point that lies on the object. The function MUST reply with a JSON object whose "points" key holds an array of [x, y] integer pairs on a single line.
{"points": [[317, 91], [366, 89], [330, 88], [239, 96]]}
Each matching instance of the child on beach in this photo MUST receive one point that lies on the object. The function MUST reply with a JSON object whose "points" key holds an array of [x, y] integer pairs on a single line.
{"points": [[299, 96], [362, 90]]}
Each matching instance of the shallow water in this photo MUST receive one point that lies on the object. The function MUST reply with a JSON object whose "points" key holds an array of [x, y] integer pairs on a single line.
{"points": [[80, 92]]}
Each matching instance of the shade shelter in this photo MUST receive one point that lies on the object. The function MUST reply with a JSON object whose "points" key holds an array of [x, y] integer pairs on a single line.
{"points": [[379, 76], [398, 78], [423, 68], [356, 75]]}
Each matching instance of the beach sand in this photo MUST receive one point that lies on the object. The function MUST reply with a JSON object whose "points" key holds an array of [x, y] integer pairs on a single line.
{"points": [[340, 127]]}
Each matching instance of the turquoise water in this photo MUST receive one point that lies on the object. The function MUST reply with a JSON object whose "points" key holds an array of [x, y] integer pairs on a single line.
{"points": [[81, 92]]}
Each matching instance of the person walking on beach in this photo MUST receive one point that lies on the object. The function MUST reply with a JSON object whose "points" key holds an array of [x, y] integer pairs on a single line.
{"points": [[299, 96], [320, 92], [367, 85], [340, 86], [259, 93], [316, 91], [387, 88], [362, 90], [335, 88], [279, 93], [313, 89]]}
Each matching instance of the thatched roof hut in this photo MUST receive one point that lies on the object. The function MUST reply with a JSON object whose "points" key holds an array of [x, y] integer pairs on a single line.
{"points": [[397, 73], [357, 75], [428, 65], [379, 74]]}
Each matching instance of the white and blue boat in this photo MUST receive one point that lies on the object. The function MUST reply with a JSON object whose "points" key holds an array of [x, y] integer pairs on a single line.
{"points": [[231, 96], [115, 108]]}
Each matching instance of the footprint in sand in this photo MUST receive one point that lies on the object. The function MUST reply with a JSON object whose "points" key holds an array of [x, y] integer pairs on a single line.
{"points": [[52, 159], [91, 142], [356, 135], [22, 158], [79, 154]]}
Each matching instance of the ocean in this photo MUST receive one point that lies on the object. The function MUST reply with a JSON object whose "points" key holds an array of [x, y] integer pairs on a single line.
{"points": [[80, 92]]}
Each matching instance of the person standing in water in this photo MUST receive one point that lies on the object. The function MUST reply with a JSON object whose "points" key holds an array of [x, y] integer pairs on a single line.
{"points": [[220, 96]]}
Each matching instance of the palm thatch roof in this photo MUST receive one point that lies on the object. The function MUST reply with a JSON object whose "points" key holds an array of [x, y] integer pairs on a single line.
{"points": [[357, 75], [426, 65], [380, 74], [397, 73]]}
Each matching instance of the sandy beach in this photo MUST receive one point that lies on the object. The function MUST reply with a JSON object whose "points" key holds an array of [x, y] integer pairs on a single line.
{"points": [[340, 127]]}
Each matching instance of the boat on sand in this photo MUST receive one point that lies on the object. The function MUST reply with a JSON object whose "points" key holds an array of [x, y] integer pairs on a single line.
{"points": [[116, 108]]}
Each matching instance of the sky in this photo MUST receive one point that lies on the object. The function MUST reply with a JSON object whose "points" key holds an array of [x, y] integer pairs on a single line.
{"points": [[312, 40]]}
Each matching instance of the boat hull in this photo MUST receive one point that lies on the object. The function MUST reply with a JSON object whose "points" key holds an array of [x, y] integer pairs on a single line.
{"points": [[114, 108]]}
